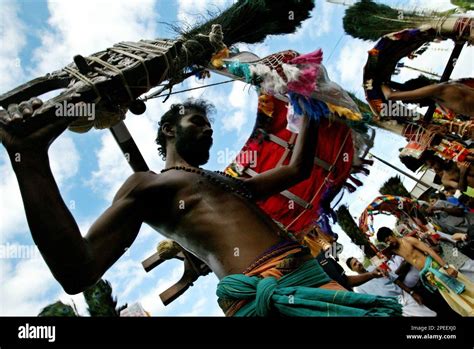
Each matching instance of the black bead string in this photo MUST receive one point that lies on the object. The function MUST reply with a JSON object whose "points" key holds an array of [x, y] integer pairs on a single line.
{"points": [[242, 191]]}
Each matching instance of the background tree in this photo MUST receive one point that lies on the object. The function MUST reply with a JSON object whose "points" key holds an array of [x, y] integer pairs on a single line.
{"points": [[464, 4], [350, 227], [99, 300], [394, 186], [59, 309]]}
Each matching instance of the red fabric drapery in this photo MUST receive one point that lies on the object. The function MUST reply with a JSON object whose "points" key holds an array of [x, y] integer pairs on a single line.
{"points": [[334, 146]]}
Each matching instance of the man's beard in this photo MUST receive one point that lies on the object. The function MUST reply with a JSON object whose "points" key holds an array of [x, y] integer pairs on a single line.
{"points": [[194, 151]]}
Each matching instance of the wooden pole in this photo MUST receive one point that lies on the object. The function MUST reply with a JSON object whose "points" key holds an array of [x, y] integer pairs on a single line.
{"points": [[417, 180], [129, 148], [446, 74]]}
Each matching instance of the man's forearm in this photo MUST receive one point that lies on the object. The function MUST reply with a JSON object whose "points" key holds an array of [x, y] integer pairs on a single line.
{"points": [[431, 91], [455, 211], [462, 185], [305, 147], [435, 256], [403, 286], [52, 225], [357, 280]]}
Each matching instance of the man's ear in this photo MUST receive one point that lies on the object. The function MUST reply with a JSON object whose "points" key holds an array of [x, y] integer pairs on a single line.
{"points": [[168, 130]]}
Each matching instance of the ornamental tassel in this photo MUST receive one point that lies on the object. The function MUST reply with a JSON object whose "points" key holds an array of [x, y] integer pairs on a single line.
{"points": [[291, 72], [350, 187], [360, 170], [240, 69], [309, 106], [356, 181], [306, 82], [315, 57], [273, 83]]}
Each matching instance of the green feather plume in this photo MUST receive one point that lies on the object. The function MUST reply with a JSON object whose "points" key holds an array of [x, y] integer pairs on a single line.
{"points": [[369, 21], [250, 21], [58, 309]]}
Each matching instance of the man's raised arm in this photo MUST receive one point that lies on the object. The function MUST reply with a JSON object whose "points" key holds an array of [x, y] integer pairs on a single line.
{"points": [[76, 262], [273, 181]]}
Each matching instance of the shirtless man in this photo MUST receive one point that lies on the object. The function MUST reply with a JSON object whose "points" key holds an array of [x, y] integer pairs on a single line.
{"points": [[213, 221], [456, 289], [457, 176], [453, 95], [412, 250]]}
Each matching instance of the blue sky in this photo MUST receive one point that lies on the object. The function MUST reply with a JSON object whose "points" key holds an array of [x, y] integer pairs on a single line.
{"points": [[38, 37]]}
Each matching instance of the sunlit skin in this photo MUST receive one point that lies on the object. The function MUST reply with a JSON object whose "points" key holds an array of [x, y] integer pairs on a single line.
{"points": [[220, 227], [457, 177], [455, 96], [415, 251], [358, 267]]}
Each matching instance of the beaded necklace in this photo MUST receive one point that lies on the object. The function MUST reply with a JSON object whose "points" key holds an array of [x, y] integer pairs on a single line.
{"points": [[241, 188]]}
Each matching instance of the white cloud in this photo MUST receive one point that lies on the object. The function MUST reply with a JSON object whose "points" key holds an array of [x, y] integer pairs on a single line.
{"points": [[113, 169], [242, 102], [125, 276], [434, 60], [261, 50], [239, 96], [151, 301], [13, 215], [234, 121], [320, 24], [424, 5], [191, 12], [88, 26], [13, 40], [25, 287], [199, 299], [350, 64], [64, 160]]}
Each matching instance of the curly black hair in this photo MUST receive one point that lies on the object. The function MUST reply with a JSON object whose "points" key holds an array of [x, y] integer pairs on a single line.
{"points": [[174, 115], [348, 262], [384, 233]]}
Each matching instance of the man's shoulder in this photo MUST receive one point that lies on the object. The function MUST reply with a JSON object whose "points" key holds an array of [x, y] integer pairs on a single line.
{"points": [[139, 179], [142, 182], [410, 239]]}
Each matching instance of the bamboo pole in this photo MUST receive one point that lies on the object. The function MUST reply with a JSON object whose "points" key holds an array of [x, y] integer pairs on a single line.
{"points": [[417, 180]]}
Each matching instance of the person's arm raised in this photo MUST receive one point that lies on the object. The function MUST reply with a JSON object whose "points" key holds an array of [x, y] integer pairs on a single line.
{"points": [[75, 261], [299, 168], [430, 91]]}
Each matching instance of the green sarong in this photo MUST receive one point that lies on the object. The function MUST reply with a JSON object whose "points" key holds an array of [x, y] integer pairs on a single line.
{"points": [[296, 294]]}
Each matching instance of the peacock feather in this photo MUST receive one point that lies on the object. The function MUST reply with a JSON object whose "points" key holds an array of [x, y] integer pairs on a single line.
{"points": [[368, 20], [58, 309]]}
